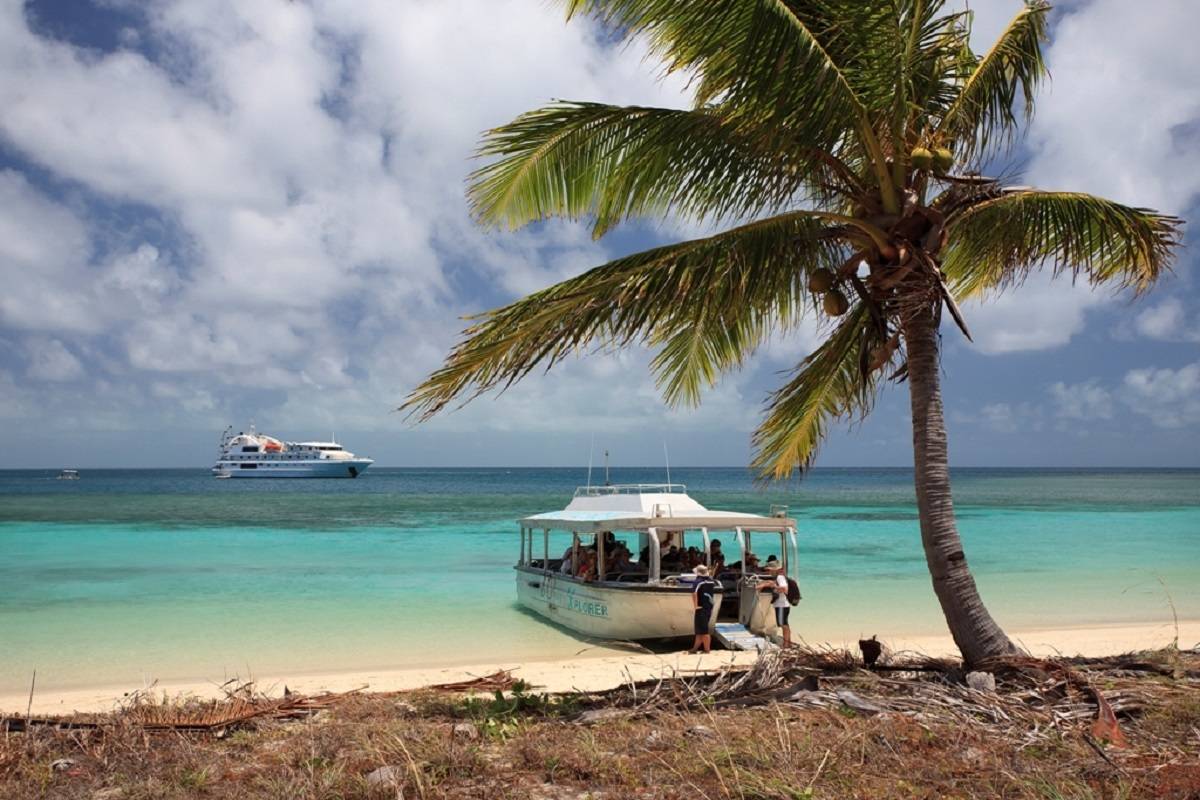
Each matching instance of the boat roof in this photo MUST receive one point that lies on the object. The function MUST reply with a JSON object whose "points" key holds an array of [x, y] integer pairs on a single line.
{"points": [[637, 507]]}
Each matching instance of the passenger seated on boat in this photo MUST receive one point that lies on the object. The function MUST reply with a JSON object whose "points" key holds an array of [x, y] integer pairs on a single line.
{"points": [[716, 558], [568, 559], [672, 559], [621, 560], [587, 566], [748, 566]]}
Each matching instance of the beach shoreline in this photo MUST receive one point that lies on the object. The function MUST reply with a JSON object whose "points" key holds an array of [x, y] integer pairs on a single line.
{"points": [[592, 672]]}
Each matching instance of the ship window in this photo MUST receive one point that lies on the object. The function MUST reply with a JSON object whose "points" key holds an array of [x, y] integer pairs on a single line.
{"points": [[249, 449], [248, 466]]}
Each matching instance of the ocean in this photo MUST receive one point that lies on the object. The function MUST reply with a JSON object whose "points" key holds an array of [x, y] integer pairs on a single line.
{"points": [[130, 576]]}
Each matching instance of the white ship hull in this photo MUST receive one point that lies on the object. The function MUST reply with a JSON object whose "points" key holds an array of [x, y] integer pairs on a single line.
{"points": [[293, 469], [609, 610]]}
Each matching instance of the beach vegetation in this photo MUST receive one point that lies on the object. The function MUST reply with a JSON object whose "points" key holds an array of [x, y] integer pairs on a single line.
{"points": [[933, 737], [828, 135]]}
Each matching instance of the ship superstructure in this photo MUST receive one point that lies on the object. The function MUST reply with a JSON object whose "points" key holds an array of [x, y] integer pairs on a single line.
{"points": [[256, 455]]}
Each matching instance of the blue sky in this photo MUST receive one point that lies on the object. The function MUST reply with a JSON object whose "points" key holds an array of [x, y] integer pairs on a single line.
{"points": [[213, 212]]}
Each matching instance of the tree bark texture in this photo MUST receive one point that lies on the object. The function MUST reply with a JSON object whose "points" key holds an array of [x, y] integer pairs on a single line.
{"points": [[975, 632]]}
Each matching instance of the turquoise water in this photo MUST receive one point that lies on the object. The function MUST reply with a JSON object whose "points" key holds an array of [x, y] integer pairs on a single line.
{"points": [[129, 576]]}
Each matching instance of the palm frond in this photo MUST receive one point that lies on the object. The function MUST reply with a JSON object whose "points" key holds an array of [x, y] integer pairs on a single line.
{"points": [[580, 160], [761, 59], [985, 110], [996, 242], [830, 384], [707, 303]]}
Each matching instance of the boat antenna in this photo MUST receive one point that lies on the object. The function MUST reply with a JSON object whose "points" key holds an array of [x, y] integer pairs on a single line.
{"points": [[591, 451], [607, 482], [667, 458]]}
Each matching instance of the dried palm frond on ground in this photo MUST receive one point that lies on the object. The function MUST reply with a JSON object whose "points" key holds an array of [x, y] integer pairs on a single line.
{"points": [[800, 724]]}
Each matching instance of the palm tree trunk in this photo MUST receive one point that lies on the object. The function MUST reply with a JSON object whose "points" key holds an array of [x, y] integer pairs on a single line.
{"points": [[975, 632]]}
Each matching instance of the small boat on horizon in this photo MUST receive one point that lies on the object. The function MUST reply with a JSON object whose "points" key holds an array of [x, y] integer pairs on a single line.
{"points": [[649, 598], [68, 475], [256, 455]]}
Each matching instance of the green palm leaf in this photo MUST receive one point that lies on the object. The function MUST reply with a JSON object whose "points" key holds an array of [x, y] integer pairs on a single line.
{"points": [[707, 303], [763, 61], [611, 162], [985, 109], [996, 242], [830, 384]]}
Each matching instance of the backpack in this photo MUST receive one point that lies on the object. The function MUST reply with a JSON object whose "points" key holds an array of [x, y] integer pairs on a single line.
{"points": [[793, 592]]}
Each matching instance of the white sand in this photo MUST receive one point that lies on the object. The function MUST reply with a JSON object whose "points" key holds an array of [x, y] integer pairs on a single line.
{"points": [[591, 673]]}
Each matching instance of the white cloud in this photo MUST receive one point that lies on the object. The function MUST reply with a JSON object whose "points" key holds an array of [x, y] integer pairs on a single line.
{"points": [[1169, 398], [312, 157], [1041, 314], [1081, 401], [1168, 322], [1119, 117], [50, 360]]}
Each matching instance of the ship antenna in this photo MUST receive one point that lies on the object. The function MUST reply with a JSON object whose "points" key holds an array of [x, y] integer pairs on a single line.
{"points": [[591, 452], [667, 457]]}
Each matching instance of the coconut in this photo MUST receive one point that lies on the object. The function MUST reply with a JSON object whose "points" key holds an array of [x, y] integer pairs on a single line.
{"points": [[943, 159], [921, 158], [836, 303], [821, 280]]}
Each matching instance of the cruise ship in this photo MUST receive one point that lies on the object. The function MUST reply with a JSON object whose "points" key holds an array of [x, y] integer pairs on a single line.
{"points": [[256, 455]]}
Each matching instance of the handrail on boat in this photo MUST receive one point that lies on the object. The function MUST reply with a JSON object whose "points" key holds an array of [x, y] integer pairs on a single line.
{"points": [[631, 488]]}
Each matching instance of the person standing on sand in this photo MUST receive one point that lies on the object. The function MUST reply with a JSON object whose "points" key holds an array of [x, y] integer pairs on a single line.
{"points": [[702, 602], [779, 585]]}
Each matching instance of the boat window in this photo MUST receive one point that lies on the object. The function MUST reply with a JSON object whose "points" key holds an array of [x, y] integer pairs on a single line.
{"points": [[248, 466], [249, 449]]}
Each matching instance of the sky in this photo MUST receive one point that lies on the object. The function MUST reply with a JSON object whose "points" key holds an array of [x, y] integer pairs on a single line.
{"points": [[215, 213]]}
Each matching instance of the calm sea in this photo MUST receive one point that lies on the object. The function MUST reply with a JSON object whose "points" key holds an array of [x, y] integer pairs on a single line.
{"points": [[127, 576]]}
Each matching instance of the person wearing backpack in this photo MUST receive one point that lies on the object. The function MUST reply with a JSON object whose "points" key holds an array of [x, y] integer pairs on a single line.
{"points": [[702, 602], [779, 587]]}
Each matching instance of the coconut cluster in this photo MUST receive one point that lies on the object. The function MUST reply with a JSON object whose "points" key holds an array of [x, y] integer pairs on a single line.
{"points": [[824, 282], [940, 159]]}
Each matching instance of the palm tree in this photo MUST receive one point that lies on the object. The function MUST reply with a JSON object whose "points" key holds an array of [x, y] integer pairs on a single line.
{"points": [[846, 138]]}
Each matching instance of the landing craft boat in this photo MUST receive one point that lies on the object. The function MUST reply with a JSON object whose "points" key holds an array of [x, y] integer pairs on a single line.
{"points": [[648, 599], [256, 455]]}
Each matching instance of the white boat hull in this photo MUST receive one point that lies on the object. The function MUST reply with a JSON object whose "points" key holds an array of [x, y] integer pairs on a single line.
{"points": [[332, 468], [609, 610]]}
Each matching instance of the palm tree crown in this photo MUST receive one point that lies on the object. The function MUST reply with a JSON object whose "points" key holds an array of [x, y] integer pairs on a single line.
{"points": [[851, 134]]}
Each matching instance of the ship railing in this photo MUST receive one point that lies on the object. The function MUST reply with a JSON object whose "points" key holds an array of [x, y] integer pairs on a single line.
{"points": [[631, 488]]}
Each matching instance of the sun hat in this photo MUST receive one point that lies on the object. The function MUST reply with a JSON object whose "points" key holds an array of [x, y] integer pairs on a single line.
{"points": [[701, 570], [773, 563]]}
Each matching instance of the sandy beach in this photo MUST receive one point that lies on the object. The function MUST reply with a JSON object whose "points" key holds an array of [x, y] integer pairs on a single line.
{"points": [[596, 672]]}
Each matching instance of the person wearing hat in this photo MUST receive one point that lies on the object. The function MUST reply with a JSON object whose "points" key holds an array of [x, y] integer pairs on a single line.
{"points": [[779, 586], [702, 602]]}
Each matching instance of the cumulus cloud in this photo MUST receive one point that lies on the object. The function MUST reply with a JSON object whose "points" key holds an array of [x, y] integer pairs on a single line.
{"points": [[1168, 322], [1169, 398], [1081, 401], [257, 208], [50, 360], [1120, 117], [310, 159]]}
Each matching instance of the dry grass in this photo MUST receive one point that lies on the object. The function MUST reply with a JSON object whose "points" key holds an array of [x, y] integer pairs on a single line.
{"points": [[734, 736]]}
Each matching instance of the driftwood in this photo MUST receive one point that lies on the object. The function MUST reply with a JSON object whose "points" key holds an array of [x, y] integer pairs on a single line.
{"points": [[499, 681]]}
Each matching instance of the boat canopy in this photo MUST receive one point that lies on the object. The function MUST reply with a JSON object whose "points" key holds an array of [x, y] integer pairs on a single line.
{"points": [[639, 507]]}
